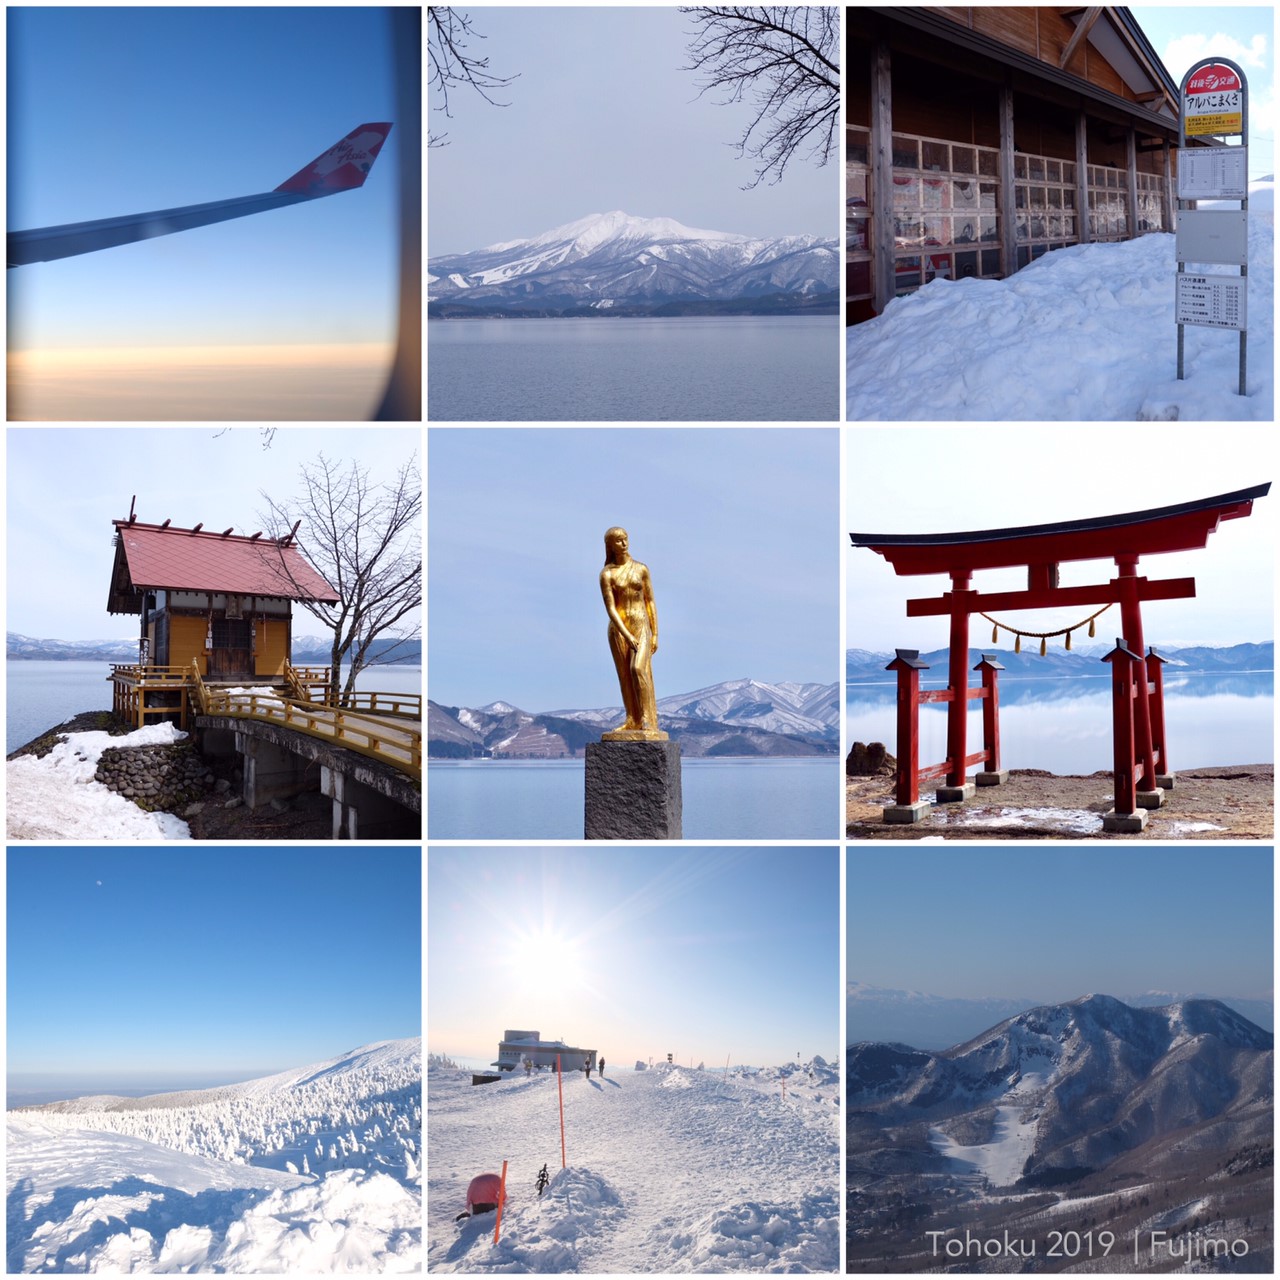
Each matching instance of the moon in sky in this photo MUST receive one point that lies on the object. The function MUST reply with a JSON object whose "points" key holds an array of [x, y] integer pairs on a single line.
{"points": [[98, 883]]}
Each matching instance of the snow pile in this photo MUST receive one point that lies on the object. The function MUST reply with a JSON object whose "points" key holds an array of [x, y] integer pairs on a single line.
{"points": [[1084, 333], [55, 796], [312, 1170], [670, 1170]]}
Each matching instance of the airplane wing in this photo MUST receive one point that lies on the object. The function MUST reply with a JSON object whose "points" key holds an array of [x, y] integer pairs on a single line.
{"points": [[342, 168]]}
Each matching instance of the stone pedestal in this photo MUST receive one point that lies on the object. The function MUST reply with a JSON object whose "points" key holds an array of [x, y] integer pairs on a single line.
{"points": [[991, 778], [1130, 824], [954, 795], [906, 813], [1150, 799], [633, 790]]}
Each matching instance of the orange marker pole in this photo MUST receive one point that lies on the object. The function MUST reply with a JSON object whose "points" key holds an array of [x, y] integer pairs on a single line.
{"points": [[502, 1199], [560, 1088]]}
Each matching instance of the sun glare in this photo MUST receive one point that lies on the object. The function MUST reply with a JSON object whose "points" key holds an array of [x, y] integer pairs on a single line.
{"points": [[546, 962]]}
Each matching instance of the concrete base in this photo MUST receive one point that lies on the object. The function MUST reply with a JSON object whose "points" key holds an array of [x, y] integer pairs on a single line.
{"points": [[271, 772], [954, 795], [361, 813], [633, 791], [1125, 823], [917, 812], [1150, 799], [991, 777], [1166, 781]]}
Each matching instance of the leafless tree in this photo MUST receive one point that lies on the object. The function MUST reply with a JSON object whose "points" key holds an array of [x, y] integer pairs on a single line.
{"points": [[785, 63], [365, 538], [449, 38]]}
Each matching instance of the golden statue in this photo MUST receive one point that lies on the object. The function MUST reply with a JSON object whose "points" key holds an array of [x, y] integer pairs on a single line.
{"points": [[633, 638]]}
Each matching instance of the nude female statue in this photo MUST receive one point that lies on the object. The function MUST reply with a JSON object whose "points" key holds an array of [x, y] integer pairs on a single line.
{"points": [[633, 636]]}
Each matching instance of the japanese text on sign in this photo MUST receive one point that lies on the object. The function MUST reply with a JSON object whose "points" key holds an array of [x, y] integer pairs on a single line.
{"points": [[1213, 173], [1215, 302]]}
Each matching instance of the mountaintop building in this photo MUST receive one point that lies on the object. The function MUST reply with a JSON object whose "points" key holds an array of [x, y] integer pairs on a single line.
{"points": [[979, 139]]}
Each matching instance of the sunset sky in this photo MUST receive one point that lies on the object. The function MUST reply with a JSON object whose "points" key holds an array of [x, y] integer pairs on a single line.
{"points": [[124, 110]]}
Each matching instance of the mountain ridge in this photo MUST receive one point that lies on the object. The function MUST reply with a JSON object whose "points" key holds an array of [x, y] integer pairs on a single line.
{"points": [[736, 717], [614, 261]]}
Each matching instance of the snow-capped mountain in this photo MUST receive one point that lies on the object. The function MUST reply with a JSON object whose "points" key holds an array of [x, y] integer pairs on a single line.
{"points": [[314, 1169], [1065, 1089], [737, 717], [611, 259], [864, 665]]}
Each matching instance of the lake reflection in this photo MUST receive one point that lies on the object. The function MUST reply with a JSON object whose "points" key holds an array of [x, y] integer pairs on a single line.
{"points": [[1064, 725]]}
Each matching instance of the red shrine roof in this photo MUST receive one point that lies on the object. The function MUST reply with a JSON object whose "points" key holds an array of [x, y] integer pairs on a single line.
{"points": [[1185, 526], [152, 557]]}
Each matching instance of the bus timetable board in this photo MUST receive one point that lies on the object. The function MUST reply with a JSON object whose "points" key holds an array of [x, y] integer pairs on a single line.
{"points": [[1213, 173]]}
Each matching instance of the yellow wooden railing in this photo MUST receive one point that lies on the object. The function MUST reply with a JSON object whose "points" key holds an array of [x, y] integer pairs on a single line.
{"points": [[390, 743], [397, 745]]}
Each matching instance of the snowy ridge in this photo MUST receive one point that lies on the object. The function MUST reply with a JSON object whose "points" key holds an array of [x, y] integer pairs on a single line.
{"points": [[1070, 1085], [669, 1170], [608, 258], [315, 1169]]}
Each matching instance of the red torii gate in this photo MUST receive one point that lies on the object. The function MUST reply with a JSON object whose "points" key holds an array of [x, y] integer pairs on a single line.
{"points": [[1042, 548]]}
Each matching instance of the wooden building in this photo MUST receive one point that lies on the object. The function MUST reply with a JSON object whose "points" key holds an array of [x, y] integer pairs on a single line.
{"points": [[979, 139], [220, 599]]}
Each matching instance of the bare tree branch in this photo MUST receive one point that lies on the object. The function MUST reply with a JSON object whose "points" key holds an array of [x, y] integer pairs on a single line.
{"points": [[448, 41], [785, 62], [365, 539]]}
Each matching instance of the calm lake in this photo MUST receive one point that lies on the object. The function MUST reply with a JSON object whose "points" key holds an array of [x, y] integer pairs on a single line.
{"points": [[724, 799], [641, 369], [1064, 724], [44, 694]]}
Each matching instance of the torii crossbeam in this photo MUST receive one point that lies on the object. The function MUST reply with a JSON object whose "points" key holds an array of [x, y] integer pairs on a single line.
{"points": [[1042, 548]]}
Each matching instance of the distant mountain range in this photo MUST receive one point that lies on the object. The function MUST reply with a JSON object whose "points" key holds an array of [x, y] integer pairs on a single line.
{"points": [[929, 1021], [306, 649], [736, 718], [864, 665], [1059, 1092], [617, 264]]}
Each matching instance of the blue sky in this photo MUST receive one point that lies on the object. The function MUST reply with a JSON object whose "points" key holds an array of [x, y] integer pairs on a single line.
{"points": [[65, 485], [739, 528], [1051, 924], [126, 110], [1246, 35], [941, 479], [636, 952], [602, 117], [208, 960]]}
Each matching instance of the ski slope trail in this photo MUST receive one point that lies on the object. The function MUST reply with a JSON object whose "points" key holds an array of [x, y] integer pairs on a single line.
{"points": [[668, 1170]]}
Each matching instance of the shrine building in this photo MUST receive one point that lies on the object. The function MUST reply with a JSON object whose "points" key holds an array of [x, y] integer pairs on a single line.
{"points": [[221, 600], [987, 137]]}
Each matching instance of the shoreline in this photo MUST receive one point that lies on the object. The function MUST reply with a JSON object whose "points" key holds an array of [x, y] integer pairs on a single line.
{"points": [[1223, 802]]}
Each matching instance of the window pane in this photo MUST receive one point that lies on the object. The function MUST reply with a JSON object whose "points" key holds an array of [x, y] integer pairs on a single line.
{"points": [[988, 164], [963, 160], [906, 153], [935, 155]]}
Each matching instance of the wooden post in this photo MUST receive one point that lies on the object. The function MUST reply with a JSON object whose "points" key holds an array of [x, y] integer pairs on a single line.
{"points": [[1160, 747], [883, 284], [1131, 165], [991, 668], [1082, 178], [1169, 202], [1131, 619], [1122, 737], [958, 678], [1008, 221], [908, 666]]}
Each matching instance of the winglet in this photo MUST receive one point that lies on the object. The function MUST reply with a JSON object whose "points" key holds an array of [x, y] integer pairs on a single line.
{"points": [[344, 166]]}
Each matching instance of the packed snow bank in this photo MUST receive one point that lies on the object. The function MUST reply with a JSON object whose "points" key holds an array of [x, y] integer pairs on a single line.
{"points": [[55, 796], [311, 1170], [670, 1170], [1085, 333], [85, 1201]]}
